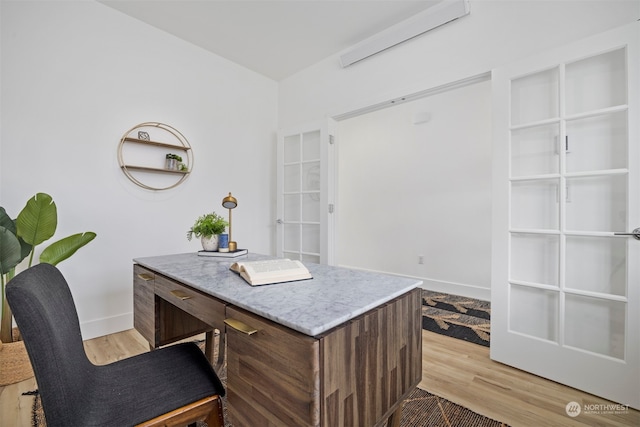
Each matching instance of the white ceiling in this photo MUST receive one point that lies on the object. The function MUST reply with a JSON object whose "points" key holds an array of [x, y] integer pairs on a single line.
{"points": [[275, 38]]}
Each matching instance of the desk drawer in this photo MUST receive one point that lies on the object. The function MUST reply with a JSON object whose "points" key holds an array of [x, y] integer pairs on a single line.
{"points": [[273, 373], [200, 305]]}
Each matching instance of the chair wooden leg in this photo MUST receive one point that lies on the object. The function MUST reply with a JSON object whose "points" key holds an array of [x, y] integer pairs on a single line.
{"points": [[216, 416], [211, 345], [208, 409]]}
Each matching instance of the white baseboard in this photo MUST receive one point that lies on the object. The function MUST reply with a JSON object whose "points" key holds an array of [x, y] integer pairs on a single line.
{"points": [[461, 289], [470, 291], [107, 325]]}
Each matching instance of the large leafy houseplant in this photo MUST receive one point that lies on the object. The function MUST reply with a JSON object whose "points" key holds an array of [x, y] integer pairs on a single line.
{"points": [[35, 224]]}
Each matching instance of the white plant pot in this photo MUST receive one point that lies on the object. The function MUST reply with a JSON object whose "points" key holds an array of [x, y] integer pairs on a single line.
{"points": [[171, 164], [209, 243]]}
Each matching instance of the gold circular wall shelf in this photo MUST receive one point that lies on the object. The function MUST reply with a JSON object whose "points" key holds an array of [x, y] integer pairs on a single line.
{"points": [[155, 135]]}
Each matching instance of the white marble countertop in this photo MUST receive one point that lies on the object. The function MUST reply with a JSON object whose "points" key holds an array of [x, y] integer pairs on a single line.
{"points": [[334, 295]]}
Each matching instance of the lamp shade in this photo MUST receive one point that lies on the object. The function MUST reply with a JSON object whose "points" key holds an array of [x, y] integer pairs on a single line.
{"points": [[229, 202]]}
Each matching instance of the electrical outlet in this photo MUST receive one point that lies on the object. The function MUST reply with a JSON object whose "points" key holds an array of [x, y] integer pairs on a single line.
{"points": [[420, 259]]}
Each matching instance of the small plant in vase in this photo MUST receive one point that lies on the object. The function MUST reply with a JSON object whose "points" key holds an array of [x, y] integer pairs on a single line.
{"points": [[172, 161], [208, 227]]}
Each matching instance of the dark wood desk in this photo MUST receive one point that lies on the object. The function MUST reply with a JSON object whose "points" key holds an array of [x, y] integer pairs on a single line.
{"points": [[356, 373]]}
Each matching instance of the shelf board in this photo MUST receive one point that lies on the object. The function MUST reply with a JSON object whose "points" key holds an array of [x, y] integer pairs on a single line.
{"points": [[156, 144], [148, 169]]}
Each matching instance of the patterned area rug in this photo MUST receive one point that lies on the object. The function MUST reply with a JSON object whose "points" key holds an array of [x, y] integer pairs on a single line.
{"points": [[458, 317], [423, 409]]}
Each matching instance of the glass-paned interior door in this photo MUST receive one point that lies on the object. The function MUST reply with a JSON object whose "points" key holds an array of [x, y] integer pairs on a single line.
{"points": [[304, 192], [565, 271]]}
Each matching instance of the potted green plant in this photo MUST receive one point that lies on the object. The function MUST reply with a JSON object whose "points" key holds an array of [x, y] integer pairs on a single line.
{"points": [[35, 224], [208, 227], [172, 161]]}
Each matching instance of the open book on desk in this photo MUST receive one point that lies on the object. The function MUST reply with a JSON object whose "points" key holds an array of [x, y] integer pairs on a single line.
{"points": [[271, 271]]}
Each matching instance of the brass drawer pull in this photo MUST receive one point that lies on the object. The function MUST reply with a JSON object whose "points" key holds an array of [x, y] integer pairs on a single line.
{"points": [[145, 276], [240, 327], [180, 294]]}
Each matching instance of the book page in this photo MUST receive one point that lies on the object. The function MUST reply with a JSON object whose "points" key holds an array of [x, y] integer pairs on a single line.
{"points": [[275, 267], [271, 271]]}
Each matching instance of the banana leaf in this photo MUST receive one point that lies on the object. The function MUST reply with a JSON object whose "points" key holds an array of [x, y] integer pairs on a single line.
{"points": [[10, 251], [38, 220], [64, 248], [6, 221]]}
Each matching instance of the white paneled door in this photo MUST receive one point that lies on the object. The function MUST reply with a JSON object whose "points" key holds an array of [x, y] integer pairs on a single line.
{"points": [[566, 262], [305, 164]]}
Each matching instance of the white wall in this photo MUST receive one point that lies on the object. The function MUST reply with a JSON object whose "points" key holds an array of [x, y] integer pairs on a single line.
{"points": [[495, 33], [408, 190], [75, 76]]}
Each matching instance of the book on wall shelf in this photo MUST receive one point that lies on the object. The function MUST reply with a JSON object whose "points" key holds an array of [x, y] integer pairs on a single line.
{"points": [[218, 254], [271, 271]]}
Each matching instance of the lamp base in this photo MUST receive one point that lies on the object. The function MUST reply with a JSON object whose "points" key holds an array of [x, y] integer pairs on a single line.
{"points": [[233, 246]]}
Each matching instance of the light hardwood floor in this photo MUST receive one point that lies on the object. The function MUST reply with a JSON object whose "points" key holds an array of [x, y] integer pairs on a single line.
{"points": [[463, 373], [454, 369]]}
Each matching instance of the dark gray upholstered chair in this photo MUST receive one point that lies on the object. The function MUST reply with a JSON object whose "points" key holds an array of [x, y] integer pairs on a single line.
{"points": [[170, 386]]}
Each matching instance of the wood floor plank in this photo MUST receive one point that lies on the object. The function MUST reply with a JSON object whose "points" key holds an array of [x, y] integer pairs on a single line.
{"points": [[111, 348], [15, 408]]}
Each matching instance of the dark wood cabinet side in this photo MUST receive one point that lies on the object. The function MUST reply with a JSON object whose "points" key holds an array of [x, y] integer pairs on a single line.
{"points": [[372, 363], [144, 312]]}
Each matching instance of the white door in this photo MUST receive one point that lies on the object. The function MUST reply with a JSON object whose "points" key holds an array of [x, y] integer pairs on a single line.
{"points": [[565, 277], [306, 191]]}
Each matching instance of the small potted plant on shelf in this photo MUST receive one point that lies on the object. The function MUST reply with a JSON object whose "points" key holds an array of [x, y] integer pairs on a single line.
{"points": [[208, 227], [172, 161]]}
